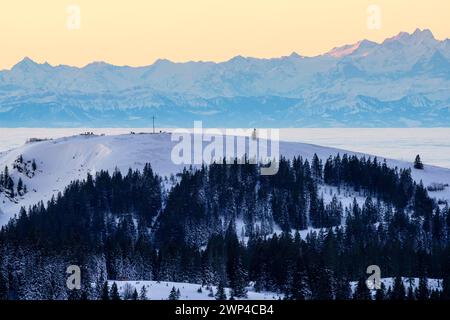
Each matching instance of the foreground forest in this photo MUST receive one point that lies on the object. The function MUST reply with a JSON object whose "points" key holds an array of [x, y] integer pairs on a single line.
{"points": [[227, 225]]}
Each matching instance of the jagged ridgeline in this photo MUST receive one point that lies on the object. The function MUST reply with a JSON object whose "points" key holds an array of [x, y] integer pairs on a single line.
{"points": [[228, 225]]}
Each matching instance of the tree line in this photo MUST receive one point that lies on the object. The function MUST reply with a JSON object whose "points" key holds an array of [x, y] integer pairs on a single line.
{"points": [[229, 226]]}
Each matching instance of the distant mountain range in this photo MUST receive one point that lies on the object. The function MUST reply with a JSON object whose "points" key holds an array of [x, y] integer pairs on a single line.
{"points": [[401, 82]]}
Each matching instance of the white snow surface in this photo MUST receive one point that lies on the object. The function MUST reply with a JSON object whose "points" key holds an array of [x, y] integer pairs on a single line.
{"points": [[433, 284], [67, 159], [160, 290]]}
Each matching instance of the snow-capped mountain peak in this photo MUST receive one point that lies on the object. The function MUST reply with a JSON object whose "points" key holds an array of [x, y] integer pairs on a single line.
{"points": [[288, 90], [295, 55], [343, 51], [419, 36], [423, 34], [30, 66]]}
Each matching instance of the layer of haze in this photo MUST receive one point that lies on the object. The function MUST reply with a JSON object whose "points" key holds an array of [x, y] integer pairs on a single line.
{"points": [[137, 32]]}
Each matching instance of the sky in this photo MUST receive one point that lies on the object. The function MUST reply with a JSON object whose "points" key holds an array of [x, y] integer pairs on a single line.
{"points": [[137, 32]]}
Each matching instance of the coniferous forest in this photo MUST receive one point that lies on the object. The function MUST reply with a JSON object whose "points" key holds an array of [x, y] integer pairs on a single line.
{"points": [[227, 225]]}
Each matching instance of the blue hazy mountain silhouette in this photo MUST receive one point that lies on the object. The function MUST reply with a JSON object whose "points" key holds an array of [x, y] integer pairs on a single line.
{"points": [[403, 81]]}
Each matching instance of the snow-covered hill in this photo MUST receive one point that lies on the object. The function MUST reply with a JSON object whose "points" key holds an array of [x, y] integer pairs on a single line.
{"points": [[63, 160], [400, 82]]}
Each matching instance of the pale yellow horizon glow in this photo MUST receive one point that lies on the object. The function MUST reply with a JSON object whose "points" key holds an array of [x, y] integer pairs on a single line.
{"points": [[137, 32]]}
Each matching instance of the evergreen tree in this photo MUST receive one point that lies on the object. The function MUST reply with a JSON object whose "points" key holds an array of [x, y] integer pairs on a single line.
{"points": [[105, 291], [143, 293], [446, 288], [74, 295], [173, 294], [362, 292], [381, 293], [323, 289], [422, 291], [5, 176], [114, 293], [238, 286], [299, 288], [398, 291], [316, 167], [84, 296], [4, 283], [418, 163], [235, 270], [20, 186], [435, 295], [220, 294], [411, 296], [343, 289], [135, 295]]}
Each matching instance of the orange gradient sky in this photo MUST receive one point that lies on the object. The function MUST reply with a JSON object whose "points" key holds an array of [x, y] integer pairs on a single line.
{"points": [[137, 32]]}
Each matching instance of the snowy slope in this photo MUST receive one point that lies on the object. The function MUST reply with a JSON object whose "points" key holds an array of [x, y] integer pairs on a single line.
{"points": [[160, 290], [63, 160]]}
